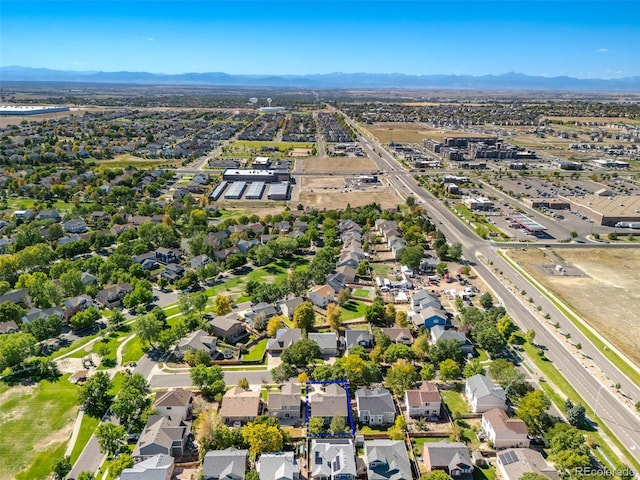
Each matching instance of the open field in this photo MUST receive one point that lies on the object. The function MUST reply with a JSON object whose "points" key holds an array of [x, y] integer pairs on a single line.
{"points": [[35, 425], [127, 160], [600, 287], [338, 165], [310, 183], [594, 119], [387, 132], [387, 197]]}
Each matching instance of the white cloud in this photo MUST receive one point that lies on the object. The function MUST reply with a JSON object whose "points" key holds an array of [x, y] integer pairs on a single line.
{"points": [[603, 50], [150, 39]]}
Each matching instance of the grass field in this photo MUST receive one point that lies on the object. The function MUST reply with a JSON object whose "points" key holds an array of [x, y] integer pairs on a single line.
{"points": [[35, 424], [381, 269], [603, 292], [133, 350], [455, 401], [87, 427], [361, 292], [387, 132], [353, 309], [126, 160], [256, 352]]}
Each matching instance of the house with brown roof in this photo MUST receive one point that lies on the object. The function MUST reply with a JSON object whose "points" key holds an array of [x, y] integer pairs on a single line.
{"points": [[504, 432], [8, 327], [321, 295], [425, 401], [240, 405], [399, 335], [228, 327], [162, 434], [286, 404], [177, 402]]}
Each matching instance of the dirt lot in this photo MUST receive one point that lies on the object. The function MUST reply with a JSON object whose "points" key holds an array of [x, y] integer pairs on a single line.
{"points": [[385, 196], [310, 183], [338, 165], [386, 132], [601, 285]]}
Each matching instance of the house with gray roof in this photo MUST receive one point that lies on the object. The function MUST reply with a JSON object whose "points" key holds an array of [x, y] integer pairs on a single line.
{"points": [[328, 401], [200, 261], [327, 341], [162, 434], [387, 460], [228, 464], [198, 340], [375, 407], [176, 402], [483, 395], [36, 313], [286, 404], [399, 335], [228, 327], [288, 307], [439, 332], [261, 309], [358, 338], [515, 462], [158, 467], [278, 466], [429, 317], [333, 458], [285, 337], [451, 457]]}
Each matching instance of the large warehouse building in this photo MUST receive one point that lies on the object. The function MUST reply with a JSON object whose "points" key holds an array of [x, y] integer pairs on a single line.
{"points": [[29, 109], [607, 210], [267, 176]]}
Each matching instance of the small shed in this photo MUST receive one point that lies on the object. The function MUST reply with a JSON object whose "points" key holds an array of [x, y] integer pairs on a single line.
{"points": [[79, 376]]}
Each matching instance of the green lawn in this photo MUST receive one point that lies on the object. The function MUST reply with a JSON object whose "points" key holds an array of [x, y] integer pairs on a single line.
{"points": [[361, 292], [256, 352], [35, 425], [132, 351], [455, 401], [484, 473], [353, 309], [87, 427], [381, 269]]}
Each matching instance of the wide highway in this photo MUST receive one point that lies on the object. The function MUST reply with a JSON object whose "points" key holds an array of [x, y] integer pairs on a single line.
{"points": [[621, 420]]}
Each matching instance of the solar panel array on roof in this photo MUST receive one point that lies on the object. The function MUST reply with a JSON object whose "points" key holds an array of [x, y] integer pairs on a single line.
{"points": [[508, 457], [527, 223], [256, 189]]}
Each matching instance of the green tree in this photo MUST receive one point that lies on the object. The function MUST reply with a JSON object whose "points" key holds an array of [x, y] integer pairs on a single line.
{"points": [[487, 336], [343, 296], [530, 336], [243, 383], [94, 395], [274, 324], [262, 437], [568, 448], [15, 348], [210, 381], [44, 327], [118, 464], [512, 380], [316, 425], [436, 475], [304, 317], [363, 268], [85, 318], [86, 476], [397, 351], [400, 377], [132, 400], [449, 370], [532, 476], [532, 410], [412, 256], [444, 349], [282, 373], [357, 371], [473, 367], [71, 283], [111, 437], [148, 328], [221, 305], [301, 353], [10, 311], [62, 468], [337, 425], [428, 372], [486, 300], [506, 326], [334, 317], [375, 312]]}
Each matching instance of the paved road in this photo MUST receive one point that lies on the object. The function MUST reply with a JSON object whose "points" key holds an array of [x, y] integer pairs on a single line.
{"points": [[173, 380], [624, 423]]}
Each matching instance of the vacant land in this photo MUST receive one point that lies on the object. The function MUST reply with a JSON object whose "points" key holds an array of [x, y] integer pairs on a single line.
{"points": [[127, 160], [415, 132], [603, 290], [338, 165], [386, 197], [35, 425]]}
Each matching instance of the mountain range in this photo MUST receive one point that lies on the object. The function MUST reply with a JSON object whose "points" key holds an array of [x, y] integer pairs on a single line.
{"points": [[506, 81]]}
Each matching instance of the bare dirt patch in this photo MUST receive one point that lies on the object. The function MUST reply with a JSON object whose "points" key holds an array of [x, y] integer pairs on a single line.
{"points": [[386, 197], [415, 132], [337, 165], [603, 290], [308, 183]]}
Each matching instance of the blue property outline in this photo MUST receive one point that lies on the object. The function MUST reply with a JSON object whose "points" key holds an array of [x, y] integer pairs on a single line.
{"points": [[344, 384]]}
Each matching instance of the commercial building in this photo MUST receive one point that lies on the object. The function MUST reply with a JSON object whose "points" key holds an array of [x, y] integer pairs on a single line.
{"points": [[256, 189], [278, 191], [219, 190], [256, 175], [30, 109], [607, 210], [235, 191]]}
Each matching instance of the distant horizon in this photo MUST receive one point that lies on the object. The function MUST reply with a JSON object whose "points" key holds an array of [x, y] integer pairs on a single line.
{"points": [[309, 74], [548, 38]]}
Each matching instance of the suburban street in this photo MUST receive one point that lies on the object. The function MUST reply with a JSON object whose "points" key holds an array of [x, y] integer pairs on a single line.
{"points": [[622, 421]]}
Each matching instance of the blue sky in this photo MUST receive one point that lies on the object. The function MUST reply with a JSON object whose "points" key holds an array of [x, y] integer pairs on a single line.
{"points": [[585, 39]]}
